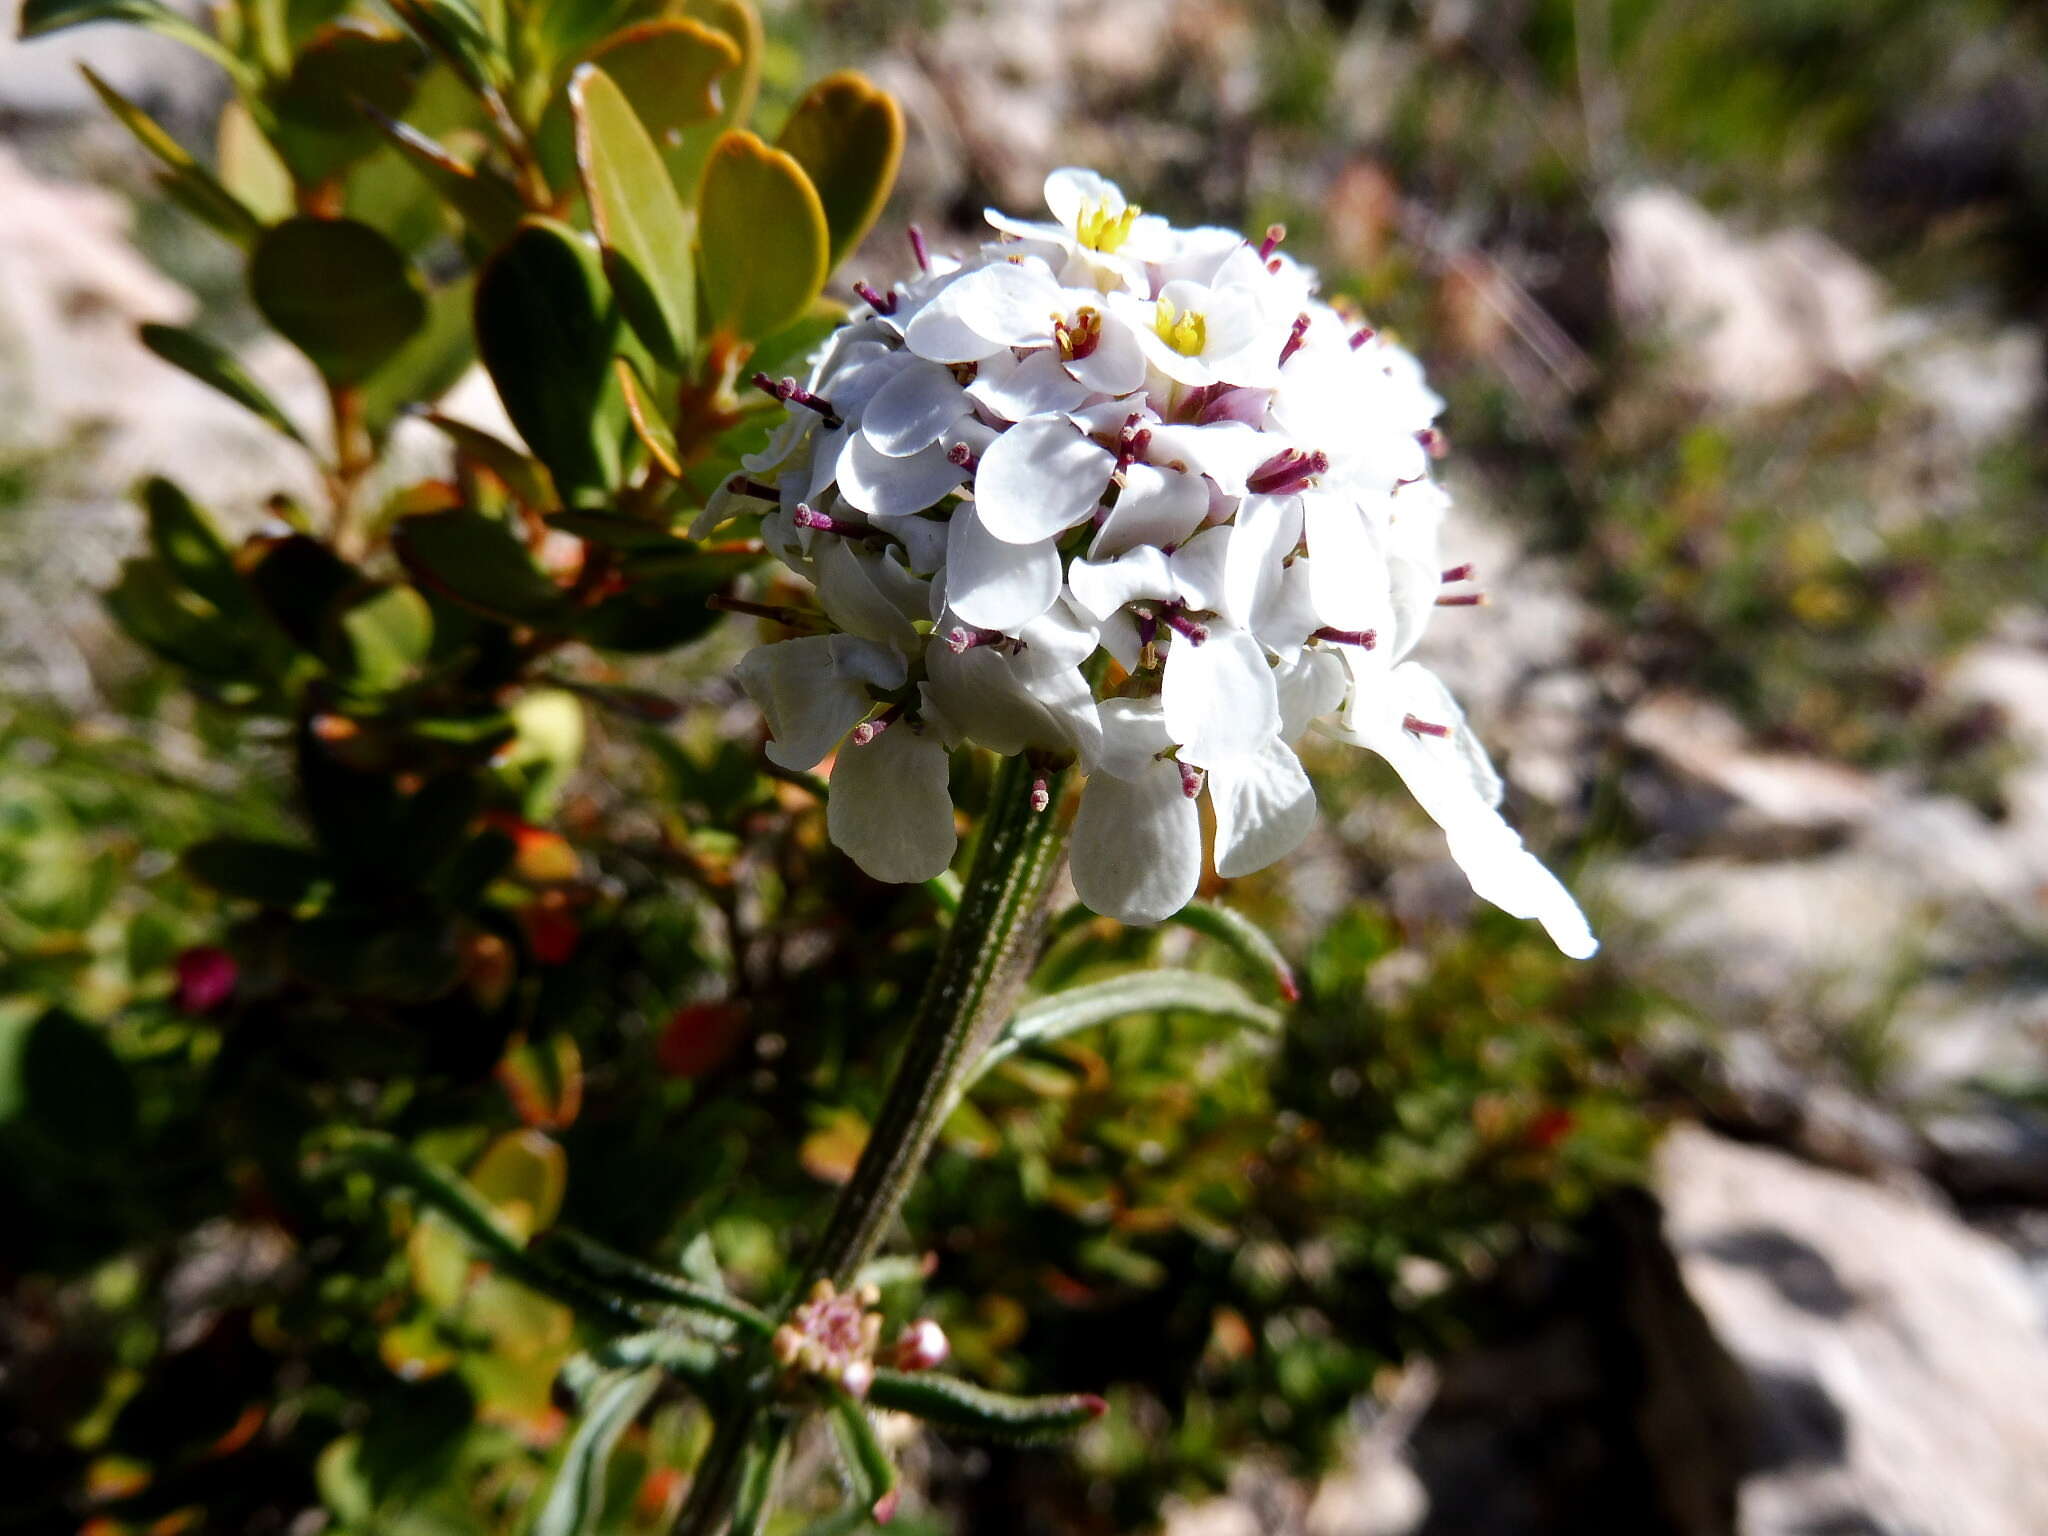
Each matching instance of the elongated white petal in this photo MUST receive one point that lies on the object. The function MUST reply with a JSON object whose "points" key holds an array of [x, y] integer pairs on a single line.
{"points": [[1220, 697], [1348, 574], [814, 690], [882, 486], [1507, 874], [1137, 845], [994, 584], [1226, 451], [867, 593], [890, 811], [1264, 807], [913, 409], [1266, 532], [1004, 304], [1101, 587], [1038, 479]]}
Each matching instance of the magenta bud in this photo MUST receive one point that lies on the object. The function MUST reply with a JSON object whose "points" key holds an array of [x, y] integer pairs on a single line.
{"points": [[206, 979], [922, 1345]]}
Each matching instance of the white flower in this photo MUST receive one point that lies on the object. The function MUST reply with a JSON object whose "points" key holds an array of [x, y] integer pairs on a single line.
{"points": [[1104, 435]]}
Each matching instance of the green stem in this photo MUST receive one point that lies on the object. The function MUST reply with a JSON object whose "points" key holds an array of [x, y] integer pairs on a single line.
{"points": [[982, 965]]}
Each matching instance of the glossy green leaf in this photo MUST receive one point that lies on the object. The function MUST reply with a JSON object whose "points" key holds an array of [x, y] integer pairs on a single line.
{"points": [[643, 229], [848, 137], [479, 564], [156, 609], [575, 1503], [1162, 991], [322, 124], [484, 200], [250, 167], [195, 189], [548, 329], [455, 30], [213, 364], [678, 75], [741, 25], [386, 636], [952, 1404], [764, 251], [339, 291], [270, 874], [649, 426], [39, 18]]}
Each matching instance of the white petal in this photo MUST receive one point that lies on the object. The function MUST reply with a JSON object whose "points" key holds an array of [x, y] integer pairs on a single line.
{"points": [[1040, 478], [868, 594], [1311, 685], [992, 700], [1154, 506], [1072, 191], [1004, 304], [1226, 451], [1137, 845], [924, 542], [890, 811], [1133, 734], [1101, 587], [1264, 807], [1117, 365], [1199, 568], [994, 584], [813, 690], [1220, 697], [1348, 574], [1267, 531], [880, 486], [1507, 874], [1034, 387], [911, 411]]}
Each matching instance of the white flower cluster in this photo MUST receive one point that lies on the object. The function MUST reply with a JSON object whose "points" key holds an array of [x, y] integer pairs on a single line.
{"points": [[1104, 434]]}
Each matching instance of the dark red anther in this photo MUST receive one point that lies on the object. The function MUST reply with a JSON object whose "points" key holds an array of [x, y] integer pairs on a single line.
{"points": [[1131, 441], [1458, 573], [1361, 336], [917, 248], [963, 456], [1275, 233], [880, 303], [1178, 621], [1294, 339], [1461, 600], [1364, 639], [1190, 780], [1421, 727]]}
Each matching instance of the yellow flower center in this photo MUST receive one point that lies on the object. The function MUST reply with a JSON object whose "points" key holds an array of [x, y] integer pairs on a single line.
{"points": [[1100, 230], [1184, 331]]}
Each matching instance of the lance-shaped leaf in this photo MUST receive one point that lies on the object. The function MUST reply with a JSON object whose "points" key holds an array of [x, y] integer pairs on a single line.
{"points": [[454, 30], [186, 540], [761, 1466], [960, 1406], [679, 75], [322, 123], [644, 231], [213, 364], [1163, 991], [868, 1465], [479, 564], [765, 245], [188, 183], [605, 1267], [648, 424], [548, 329], [1246, 938], [339, 292], [39, 18], [684, 1356], [848, 137], [484, 200], [156, 609], [575, 1504], [525, 478]]}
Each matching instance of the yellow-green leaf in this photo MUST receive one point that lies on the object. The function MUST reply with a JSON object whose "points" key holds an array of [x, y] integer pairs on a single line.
{"points": [[250, 167], [739, 21], [197, 190], [523, 1175], [679, 75], [765, 244], [645, 234], [848, 137]]}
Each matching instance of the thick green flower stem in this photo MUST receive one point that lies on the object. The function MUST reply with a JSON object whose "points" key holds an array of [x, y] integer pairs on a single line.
{"points": [[982, 965]]}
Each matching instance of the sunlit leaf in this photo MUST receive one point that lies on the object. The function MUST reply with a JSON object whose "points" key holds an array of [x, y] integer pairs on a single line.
{"points": [[644, 231], [765, 247], [848, 137]]}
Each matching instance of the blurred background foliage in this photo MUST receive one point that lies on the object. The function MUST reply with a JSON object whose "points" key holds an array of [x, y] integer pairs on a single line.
{"points": [[656, 1004]]}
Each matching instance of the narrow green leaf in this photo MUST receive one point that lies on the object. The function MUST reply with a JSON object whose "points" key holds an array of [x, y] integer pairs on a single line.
{"points": [[848, 137], [648, 423], [479, 564], [484, 200], [644, 231], [338, 291], [186, 540], [455, 31], [765, 246], [1162, 991], [684, 1356], [548, 329], [213, 364], [157, 610], [386, 636], [868, 1465], [39, 18], [195, 188], [250, 167], [1251, 942], [960, 1406], [628, 1276], [765, 1455], [575, 1504], [525, 478]]}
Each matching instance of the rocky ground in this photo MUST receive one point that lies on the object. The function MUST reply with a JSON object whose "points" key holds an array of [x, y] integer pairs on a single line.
{"points": [[1831, 1313]]}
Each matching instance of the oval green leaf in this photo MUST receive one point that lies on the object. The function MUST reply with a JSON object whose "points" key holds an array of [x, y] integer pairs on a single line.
{"points": [[848, 137], [339, 292], [765, 246], [645, 234], [322, 127]]}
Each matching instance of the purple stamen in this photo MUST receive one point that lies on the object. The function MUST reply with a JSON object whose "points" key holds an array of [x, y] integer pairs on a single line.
{"points": [[963, 456], [868, 730], [760, 490], [1294, 338], [1288, 471], [1433, 442], [1361, 336], [964, 639], [917, 248], [880, 303], [1421, 727], [809, 517], [1462, 600], [1364, 639], [1131, 441], [790, 392], [1458, 573], [1148, 629], [1275, 233], [1190, 780], [1041, 794], [1178, 621]]}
